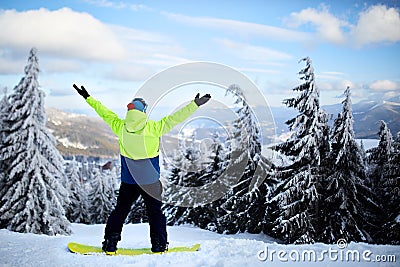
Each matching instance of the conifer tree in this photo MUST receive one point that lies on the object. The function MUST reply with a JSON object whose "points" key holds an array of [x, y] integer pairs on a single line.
{"points": [[363, 153], [296, 197], [102, 196], [243, 207], [390, 232], [77, 211], [183, 173], [32, 198], [203, 215], [378, 157], [138, 213], [345, 199], [4, 106], [384, 177]]}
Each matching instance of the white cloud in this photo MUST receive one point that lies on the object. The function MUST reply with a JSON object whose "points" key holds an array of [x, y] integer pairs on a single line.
{"points": [[67, 40], [346, 83], [129, 73], [336, 84], [62, 66], [244, 29], [329, 27], [330, 75], [165, 60], [63, 33], [106, 3], [259, 70], [8, 66], [144, 45], [377, 24], [256, 54], [117, 5], [390, 94], [334, 81], [334, 73], [384, 85]]}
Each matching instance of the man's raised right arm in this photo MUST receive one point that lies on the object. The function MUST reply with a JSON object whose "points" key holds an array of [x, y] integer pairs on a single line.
{"points": [[116, 124]]}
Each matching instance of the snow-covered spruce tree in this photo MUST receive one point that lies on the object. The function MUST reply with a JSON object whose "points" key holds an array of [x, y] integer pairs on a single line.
{"points": [[296, 198], [246, 129], [203, 215], [138, 213], [184, 173], [32, 199], [102, 197], [171, 210], [390, 232], [363, 153], [243, 207], [384, 176], [347, 204], [206, 216], [378, 157], [77, 211], [4, 106]]}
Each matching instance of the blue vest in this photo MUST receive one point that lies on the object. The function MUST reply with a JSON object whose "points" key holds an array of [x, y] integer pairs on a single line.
{"points": [[142, 171]]}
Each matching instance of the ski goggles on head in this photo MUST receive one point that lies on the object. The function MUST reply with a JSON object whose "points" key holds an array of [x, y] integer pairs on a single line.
{"points": [[139, 104]]}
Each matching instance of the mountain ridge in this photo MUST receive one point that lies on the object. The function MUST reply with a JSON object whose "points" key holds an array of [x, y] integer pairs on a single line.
{"points": [[82, 135]]}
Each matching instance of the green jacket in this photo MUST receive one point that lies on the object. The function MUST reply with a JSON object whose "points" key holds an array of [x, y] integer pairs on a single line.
{"points": [[139, 137]]}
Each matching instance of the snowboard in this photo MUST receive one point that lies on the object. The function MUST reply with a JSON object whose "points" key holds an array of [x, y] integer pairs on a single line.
{"points": [[93, 250]]}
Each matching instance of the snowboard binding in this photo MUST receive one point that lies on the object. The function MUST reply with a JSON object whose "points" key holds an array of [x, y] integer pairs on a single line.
{"points": [[109, 244]]}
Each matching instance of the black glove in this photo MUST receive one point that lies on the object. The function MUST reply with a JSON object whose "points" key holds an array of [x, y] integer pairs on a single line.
{"points": [[201, 100], [82, 91]]}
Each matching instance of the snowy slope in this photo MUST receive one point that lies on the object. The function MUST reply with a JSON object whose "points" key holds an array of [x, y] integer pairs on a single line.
{"points": [[216, 250]]}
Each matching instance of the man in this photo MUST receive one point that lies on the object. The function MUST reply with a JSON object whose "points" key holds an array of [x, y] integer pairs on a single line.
{"points": [[139, 141]]}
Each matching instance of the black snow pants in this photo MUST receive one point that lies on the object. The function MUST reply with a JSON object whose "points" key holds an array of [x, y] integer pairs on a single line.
{"points": [[151, 194]]}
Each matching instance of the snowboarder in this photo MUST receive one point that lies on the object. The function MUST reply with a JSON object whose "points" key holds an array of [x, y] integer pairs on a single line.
{"points": [[139, 140]]}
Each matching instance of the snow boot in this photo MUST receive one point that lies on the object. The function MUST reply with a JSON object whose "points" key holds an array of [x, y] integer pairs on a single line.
{"points": [[110, 243], [159, 248]]}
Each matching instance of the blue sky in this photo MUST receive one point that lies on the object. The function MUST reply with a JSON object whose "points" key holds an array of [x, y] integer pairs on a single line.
{"points": [[113, 47]]}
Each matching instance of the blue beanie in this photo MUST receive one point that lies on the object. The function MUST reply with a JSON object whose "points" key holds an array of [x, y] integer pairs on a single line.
{"points": [[140, 104]]}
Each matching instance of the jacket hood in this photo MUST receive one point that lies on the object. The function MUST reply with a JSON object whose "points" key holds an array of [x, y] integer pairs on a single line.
{"points": [[135, 120]]}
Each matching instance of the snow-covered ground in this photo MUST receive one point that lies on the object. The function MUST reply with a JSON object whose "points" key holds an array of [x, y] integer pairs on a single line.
{"points": [[216, 250]]}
